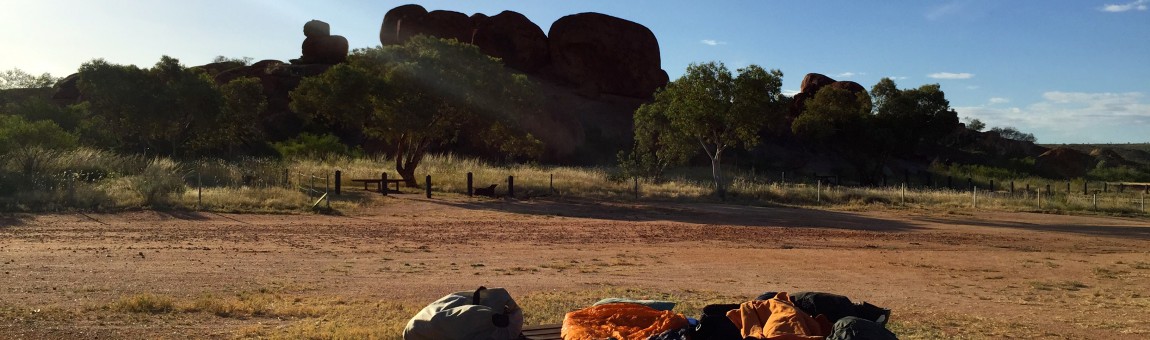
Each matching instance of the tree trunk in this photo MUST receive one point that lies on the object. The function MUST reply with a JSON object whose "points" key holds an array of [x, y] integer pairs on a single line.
{"points": [[716, 171]]}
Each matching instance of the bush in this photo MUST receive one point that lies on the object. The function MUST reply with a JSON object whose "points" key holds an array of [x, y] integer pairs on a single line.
{"points": [[160, 182], [321, 147]]}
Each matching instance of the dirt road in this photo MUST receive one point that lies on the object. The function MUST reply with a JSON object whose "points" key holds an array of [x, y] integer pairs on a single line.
{"points": [[944, 274]]}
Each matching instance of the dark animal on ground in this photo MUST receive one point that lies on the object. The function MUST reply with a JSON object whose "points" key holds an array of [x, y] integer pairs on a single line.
{"points": [[488, 191]]}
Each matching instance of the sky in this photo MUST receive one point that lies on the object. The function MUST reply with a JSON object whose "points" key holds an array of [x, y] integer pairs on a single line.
{"points": [[1066, 71]]}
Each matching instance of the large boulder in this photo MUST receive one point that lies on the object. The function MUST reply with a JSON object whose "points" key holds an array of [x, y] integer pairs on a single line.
{"points": [[510, 36], [812, 82], [851, 86], [400, 24], [1064, 163], [320, 47], [446, 25], [604, 54], [67, 90]]}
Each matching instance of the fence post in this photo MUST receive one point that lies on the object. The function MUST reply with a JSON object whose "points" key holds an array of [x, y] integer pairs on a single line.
{"points": [[1039, 198], [1011, 188], [969, 183], [1095, 202], [904, 194], [783, 179], [819, 191], [511, 186], [636, 187], [1143, 203], [338, 177], [427, 183], [327, 191], [199, 188], [950, 182], [992, 188], [470, 187], [553, 182], [1105, 187], [974, 194], [383, 183], [1085, 187]]}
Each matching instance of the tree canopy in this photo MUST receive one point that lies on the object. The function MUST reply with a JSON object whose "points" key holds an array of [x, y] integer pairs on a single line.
{"points": [[168, 108], [426, 93], [707, 109]]}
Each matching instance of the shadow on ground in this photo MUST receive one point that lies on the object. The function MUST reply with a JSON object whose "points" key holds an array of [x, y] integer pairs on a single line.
{"points": [[7, 221], [698, 213], [1133, 230]]}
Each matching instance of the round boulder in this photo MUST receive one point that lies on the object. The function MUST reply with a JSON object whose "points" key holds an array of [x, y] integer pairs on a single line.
{"points": [[605, 54], [510, 36], [398, 22]]}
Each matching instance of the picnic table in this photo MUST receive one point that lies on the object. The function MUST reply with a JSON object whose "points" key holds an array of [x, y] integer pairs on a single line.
{"points": [[379, 184]]}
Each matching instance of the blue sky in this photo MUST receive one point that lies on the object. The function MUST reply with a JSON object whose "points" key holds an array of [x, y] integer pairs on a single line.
{"points": [[1066, 71]]}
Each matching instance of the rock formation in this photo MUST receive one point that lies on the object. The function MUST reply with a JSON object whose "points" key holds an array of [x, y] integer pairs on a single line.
{"points": [[812, 83], [1063, 162], [606, 54], [513, 38], [594, 53], [320, 47]]}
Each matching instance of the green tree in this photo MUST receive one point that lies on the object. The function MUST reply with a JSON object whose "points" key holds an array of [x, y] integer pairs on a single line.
{"points": [[711, 108], [974, 124], [1012, 133], [840, 120], [19, 133], [424, 94], [18, 79], [916, 119], [167, 109]]}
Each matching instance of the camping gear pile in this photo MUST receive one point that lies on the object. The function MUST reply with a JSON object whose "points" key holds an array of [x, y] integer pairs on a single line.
{"points": [[492, 314]]}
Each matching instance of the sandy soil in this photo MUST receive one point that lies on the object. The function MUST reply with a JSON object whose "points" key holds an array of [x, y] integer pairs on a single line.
{"points": [[1032, 275]]}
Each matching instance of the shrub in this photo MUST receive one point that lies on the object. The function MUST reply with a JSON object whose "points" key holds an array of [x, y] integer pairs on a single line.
{"points": [[161, 180], [322, 147]]}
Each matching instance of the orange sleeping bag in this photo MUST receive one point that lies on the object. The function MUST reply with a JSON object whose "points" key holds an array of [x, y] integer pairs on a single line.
{"points": [[623, 321], [777, 319]]}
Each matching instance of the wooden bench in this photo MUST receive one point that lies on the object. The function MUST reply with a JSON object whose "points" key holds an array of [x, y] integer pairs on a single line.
{"points": [[543, 332], [379, 186]]}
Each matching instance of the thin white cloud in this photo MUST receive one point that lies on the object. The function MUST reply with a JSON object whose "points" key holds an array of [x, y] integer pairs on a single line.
{"points": [[948, 75], [790, 93], [898, 78], [710, 42], [1072, 116], [973, 87], [1140, 5], [945, 10], [850, 74]]}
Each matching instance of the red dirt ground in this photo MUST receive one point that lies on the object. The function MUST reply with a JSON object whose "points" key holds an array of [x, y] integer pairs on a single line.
{"points": [[1032, 275]]}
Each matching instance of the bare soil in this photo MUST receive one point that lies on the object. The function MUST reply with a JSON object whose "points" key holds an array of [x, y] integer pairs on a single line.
{"points": [[1025, 275]]}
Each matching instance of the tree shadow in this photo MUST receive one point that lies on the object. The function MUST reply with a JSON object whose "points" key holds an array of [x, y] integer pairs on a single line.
{"points": [[8, 221], [1125, 231], [185, 215], [698, 213]]}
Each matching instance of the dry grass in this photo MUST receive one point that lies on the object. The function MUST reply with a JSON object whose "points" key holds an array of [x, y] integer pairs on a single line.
{"points": [[97, 180], [338, 318]]}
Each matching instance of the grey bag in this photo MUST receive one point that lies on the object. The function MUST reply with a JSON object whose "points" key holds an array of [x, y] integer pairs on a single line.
{"points": [[485, 314]]}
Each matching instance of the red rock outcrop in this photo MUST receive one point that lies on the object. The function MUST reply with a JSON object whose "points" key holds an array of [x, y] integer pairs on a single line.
{"points": [[812, 83], [1064, 163], [514, 38], [401, 23], [595, 53], [606, 54], [320, 47]]}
